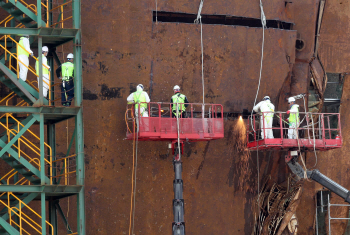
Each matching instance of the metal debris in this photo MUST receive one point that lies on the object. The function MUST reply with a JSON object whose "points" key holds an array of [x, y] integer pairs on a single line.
{"points": [[277, 206]]}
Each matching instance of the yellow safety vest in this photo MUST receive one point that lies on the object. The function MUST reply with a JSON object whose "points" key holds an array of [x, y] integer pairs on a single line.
{"points": [[20, 50]]}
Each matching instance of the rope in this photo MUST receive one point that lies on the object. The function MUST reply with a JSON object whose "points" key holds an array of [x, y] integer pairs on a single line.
{"points": [[132, 180], [313, 134], [135, 178], [301, 156], [178, 130], [67, 177], [156, 12], [199, 21], [263, 23]]}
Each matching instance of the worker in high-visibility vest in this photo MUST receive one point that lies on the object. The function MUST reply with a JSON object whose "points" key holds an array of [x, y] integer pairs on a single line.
{"points": [[45, 70], [267, 110], [66, 72], [23, 52], [178, 100], [293, 119], [139, 98]]}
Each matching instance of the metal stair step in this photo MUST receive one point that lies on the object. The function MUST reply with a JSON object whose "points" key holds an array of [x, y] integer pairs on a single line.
{"points": [[6, 5], [18, 166], [17, 12], [36, 181], [28, 173], [25, 19], [8, 159]]}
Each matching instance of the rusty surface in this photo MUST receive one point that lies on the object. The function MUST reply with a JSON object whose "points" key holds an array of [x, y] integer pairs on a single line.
{"points": [[274, 10], [319, 77], [334, 49], [220, 178], [122, 47]]}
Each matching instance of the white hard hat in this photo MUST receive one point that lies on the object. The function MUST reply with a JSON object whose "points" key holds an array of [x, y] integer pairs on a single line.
{"points": [[70, 56], [266, 97], [45, 49], [140, 86], [291, 99], [176, 87]]}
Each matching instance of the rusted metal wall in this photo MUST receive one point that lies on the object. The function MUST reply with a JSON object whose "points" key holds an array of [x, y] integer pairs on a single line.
{"points": [[123, 47], [274, 10], [334, 54], [334, 48]]}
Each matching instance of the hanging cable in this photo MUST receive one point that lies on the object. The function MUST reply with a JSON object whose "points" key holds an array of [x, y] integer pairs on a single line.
{"points": [[132, 178], [199, 21], [263, 23], [178, 130], [313, 134], [156, 12], [135, 177]]}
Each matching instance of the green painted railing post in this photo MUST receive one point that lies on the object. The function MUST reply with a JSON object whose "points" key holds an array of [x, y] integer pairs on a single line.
{"points": [[41, 87], [43, 214], [38, 13]]}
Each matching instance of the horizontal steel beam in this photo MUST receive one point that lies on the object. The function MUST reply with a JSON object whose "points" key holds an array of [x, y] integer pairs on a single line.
{"points": [[43, 32], [41, 110], [56, 189]]}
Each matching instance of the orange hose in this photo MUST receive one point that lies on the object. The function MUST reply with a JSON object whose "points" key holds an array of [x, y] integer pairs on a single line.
{"points": [[132, 178]]}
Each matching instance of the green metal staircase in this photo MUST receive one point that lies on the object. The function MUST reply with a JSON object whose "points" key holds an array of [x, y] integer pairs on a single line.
{"points": [[36, 173], [21, 13]]}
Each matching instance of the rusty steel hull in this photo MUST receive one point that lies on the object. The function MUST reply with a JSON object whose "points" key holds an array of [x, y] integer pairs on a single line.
{"points": [[123, 47]]}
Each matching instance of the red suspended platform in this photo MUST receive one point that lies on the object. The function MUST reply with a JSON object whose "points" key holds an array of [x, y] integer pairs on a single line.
{"points": [[316, 131], [199, 123]]}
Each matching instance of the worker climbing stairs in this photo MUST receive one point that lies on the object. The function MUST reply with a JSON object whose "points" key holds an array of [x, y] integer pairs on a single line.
{"points": [[31, 171]]}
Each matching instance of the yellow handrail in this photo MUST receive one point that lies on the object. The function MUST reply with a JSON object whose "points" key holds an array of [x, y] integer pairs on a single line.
{"points": [[31, 211], [21, 215], [29, 6], [6, 97], [19, 61], [32, 133], [27, 142], [66, 170], [7, 19]]}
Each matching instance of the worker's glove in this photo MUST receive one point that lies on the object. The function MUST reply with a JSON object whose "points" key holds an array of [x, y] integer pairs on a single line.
{"points": [[288, 112], [31, 54], [49, 69], [60, 78]]}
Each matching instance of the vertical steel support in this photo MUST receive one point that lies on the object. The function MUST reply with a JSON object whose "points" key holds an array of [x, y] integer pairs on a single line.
{"points": [[52, 78], [42, 148], [38, 13], [41, 95], [51, 138], [178, 226], [53, 216], [43, 213], [50, 15], [329, 217], [78, 80]]}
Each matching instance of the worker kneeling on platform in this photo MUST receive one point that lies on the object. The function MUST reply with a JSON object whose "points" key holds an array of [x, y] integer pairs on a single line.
{"points": [[267, 110], [178, 100], [293, 119]]}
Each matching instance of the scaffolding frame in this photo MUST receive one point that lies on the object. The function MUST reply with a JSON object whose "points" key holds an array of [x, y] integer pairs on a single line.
{"points": [[329, 215], [46, 117]]}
